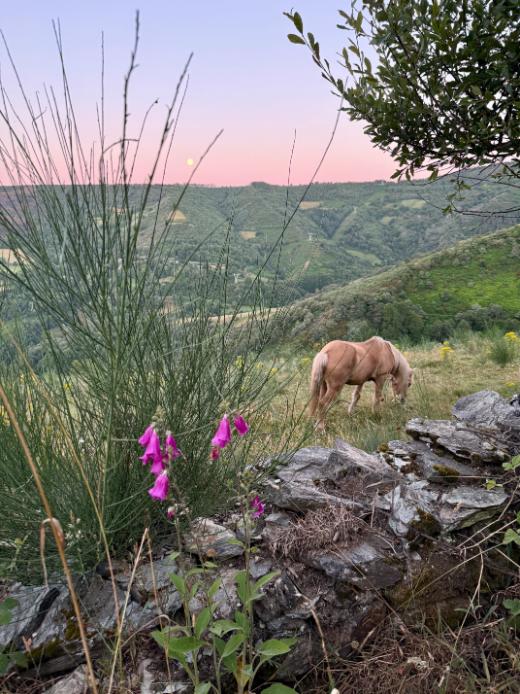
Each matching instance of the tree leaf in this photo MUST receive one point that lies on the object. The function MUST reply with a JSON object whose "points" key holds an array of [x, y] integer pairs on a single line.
{"points": [[293, 38], [298, 23]]}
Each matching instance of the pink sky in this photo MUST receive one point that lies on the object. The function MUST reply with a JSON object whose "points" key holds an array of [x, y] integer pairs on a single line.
{"points": [[245, 78]]}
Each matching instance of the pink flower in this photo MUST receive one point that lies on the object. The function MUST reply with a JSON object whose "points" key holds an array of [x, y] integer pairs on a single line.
{"points": [[158, 466], [153, 449], [145, 438], [258, 507], [223, 434], [171, 447], [215, 453], [170, 513], [241, 425], [159, 490]]}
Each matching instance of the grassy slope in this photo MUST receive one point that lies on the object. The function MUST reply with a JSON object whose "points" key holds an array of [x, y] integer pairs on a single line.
{"points": [[484, 271]]}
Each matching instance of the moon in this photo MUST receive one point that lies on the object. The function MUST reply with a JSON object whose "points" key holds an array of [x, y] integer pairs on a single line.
{"points": [[189, 161]]}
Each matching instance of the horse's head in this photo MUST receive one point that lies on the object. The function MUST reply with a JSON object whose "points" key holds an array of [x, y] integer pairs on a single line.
{"points": [[402, 379]]}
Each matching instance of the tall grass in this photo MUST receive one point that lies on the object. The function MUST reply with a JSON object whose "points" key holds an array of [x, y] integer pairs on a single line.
{"points": [[114, 358]]}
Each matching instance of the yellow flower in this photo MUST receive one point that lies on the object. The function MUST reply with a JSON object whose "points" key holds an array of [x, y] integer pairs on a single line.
{"points": [[510, 384], [239, 362], [66, 386], [511, 336], [273, 371], [445, 350]]}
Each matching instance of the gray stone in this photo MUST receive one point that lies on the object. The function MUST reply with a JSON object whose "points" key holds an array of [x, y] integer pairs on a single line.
{"points": [[459, 440], [259, 567], [211, 540], [297, 496], [33, 604], [369, 563], [144, 577], [75, 683], [417, 460], [418, 507], [488, 410]]}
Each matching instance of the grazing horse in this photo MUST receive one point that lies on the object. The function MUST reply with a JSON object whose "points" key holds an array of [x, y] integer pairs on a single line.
{"points": [[355, 363]]}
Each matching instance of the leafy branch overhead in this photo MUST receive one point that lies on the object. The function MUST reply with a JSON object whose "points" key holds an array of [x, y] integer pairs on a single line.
{"points": [[446, 87]]}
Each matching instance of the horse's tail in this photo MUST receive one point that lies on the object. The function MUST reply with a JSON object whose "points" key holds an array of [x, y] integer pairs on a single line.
{"points": [[319, 365]]}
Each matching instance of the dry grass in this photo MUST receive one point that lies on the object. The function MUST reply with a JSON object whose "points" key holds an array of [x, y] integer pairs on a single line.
{"points": [[317, 530]]}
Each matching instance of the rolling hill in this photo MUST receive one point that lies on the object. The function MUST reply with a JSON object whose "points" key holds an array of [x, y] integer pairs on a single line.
{"points": [[342, 231], [474, 284]]}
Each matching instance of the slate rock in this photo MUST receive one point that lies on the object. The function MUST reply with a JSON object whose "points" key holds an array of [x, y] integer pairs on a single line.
{"points": [[459, 440], [487, 410], [33, 603], [212, 540], [417, 460], [368, 563], [75, 683]]}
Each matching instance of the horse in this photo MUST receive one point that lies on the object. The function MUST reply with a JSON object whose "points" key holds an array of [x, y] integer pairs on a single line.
{"points": [[355, 363]]}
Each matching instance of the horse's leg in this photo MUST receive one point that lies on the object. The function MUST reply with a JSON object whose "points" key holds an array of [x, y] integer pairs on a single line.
{"points": [[378, 392], [325, 403], [355, 398]]}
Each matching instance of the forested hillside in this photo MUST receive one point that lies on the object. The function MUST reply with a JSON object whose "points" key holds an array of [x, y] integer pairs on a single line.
{"points": [[473, 285]]}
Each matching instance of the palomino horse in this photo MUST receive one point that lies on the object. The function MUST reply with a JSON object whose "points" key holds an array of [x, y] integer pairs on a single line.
{"points": [[355, 363]]}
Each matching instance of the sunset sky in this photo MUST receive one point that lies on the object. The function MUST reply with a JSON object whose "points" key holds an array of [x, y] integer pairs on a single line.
{"points": [[245, 78]]}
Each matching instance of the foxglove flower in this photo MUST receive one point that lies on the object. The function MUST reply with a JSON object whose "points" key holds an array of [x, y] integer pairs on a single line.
{"points": [[170, 513], [223, 434], [257, 506], [153, 449], [171, 447], [158, 466], [145, 438], [159, 490], [241, 425], [215, 453]]}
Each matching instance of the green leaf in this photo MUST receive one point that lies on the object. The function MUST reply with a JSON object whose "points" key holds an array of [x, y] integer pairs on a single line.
{"points": [[511, 536], [19, 658], [202, 621], [293, 38], [298, 23], [275, 647], [224, 626], [513, 464], [490, 484], [242, 621], [179, 583], [183, 645], [513, 606], [266, 579], [243, 586], [278, 688], [203, 688], [212, 591], [4, 663], [8, 604], [233, 644]]}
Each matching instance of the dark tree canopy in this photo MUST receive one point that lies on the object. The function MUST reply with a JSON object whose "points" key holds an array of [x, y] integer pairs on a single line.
{"points": [[445, 91]]}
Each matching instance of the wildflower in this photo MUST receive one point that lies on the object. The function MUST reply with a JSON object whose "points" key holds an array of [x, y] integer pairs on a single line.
{"points": [[159, 490], [511, 336], [153, 449], [241, 425], [215, 453], [158, 466], [223, 434], [170, 513], [257, 506], [171, 447], [144, 440], [445, 350]]}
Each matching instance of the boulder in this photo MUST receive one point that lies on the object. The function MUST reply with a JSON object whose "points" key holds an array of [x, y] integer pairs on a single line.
{"points": [[211, 540]]}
